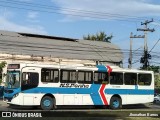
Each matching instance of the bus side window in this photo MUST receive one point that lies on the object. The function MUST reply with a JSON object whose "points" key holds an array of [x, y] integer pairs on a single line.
{"points": [[55, 76], [85, 77], [130, 78], [88, 77], [68, 76], [25, 78], [81, 76], [100, 77], [50, 75], [144, 79], [30, 78], [116, 78]]}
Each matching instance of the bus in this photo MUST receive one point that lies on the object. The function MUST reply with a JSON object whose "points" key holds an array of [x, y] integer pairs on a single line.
{"points": [[49, 86]]}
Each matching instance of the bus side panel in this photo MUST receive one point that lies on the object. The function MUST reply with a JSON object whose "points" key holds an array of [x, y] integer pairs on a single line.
{"points": [[73, 99], [111, 90], [27, 99], [138, 99]]}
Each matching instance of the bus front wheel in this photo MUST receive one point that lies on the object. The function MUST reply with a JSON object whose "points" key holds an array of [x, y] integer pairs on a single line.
{"points": [[47, 103], [115, 103]]}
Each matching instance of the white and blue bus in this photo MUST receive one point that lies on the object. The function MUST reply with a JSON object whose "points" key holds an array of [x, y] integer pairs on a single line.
{"points": [[49, 86]]}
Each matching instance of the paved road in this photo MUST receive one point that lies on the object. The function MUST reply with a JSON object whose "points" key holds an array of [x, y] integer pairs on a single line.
{"points": [[149, 106], [132, 110]]}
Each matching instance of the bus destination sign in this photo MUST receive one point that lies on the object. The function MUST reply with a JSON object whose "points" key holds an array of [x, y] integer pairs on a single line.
{"points": [[13, 66]]}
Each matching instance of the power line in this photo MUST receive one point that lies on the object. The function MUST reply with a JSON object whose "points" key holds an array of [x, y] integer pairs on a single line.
{"points": [[87, 15], [154, 45], [72, 10]]}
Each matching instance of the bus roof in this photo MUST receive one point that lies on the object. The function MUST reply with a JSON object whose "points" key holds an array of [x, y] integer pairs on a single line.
{"points": [[101, 68]]}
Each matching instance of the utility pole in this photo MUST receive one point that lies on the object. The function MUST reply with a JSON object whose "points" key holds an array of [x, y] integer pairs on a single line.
{"points": [[131, 41], [130, 54], [146, 56]]}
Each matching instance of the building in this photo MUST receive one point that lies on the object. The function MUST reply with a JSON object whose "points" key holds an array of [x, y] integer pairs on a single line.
{"points": [[15, 46], [34, 48]]}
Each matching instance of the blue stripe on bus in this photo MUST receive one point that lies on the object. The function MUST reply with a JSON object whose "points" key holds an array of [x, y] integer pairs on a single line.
{"points": [[95, 94], [93, 91], [101, 68], [129, 91]]}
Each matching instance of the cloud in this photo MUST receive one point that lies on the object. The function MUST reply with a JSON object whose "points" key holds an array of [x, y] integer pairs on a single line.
{"points": [[112, 8], [5, 24], [32, 15]]}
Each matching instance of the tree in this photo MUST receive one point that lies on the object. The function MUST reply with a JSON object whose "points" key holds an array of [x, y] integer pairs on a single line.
{"points": [[154, 68], [2, 65], [101, 36]]}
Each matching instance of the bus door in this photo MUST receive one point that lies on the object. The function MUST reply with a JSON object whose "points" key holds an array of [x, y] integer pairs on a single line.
{"points": [[130, 81], [30, 80]]}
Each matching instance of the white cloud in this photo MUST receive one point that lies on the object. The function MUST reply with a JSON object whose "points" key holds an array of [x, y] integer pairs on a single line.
{"points": [[140, 8], [5, 24], [32, 15]]}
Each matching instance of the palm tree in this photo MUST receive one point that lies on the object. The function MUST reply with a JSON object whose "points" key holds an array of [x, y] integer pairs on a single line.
{"points": [[101, 36]]}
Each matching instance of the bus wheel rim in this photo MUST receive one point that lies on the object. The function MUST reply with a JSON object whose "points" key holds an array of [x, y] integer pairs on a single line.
{"points": [[116, 103], [47, 103]]}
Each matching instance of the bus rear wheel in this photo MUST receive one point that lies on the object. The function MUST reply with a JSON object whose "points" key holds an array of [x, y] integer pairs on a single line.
{"points": [[47, 103], [115, 103]]}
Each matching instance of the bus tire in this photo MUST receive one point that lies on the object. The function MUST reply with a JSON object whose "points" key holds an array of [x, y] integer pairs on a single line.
{"points": [[47, 103], [115, 103]]}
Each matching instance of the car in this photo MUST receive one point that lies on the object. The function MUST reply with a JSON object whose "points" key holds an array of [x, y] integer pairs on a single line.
{"points": [[157, 98]]}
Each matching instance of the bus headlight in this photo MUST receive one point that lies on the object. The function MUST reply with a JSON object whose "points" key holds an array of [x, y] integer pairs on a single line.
{"points": [[15, 95]]}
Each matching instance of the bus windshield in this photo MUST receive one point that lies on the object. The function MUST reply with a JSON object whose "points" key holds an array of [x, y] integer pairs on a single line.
{"points": [[13, 79]]}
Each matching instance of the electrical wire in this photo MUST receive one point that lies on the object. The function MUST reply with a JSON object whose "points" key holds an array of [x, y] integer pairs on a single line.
{"points": [[71, 10], [87, 14], [154, 45]]}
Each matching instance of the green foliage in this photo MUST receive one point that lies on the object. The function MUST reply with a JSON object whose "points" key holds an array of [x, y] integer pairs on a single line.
{"points": [[101, 36], [154, 68], [157, 80], [2, 65]]}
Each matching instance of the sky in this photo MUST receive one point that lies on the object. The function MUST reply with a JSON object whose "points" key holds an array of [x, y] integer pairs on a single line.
{"points": [[76, 18]]}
